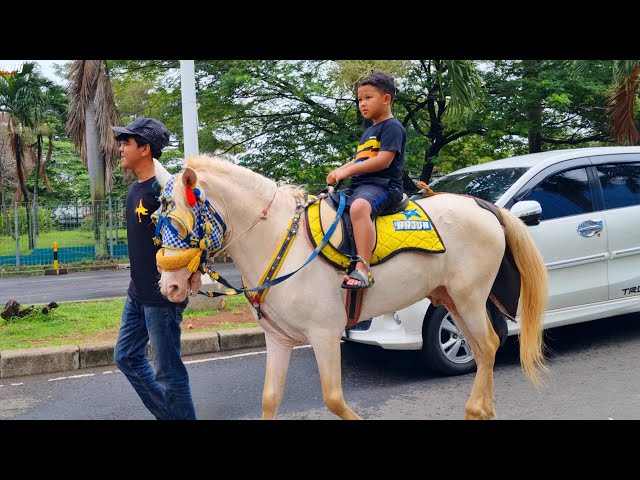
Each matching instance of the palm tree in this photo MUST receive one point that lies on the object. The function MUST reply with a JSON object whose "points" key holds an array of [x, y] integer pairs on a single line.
{"points": [[623, 100], [92, 111], [22, 97]]}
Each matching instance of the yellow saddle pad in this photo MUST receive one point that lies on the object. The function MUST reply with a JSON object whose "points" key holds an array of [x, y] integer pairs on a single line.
{"points": [[411, 229]]}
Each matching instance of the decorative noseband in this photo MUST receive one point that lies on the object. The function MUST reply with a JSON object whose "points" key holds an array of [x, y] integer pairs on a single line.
{"points": [[200, 232]]}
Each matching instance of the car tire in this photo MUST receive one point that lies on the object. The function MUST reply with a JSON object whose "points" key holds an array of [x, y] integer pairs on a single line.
{"points": [[444, 348]]}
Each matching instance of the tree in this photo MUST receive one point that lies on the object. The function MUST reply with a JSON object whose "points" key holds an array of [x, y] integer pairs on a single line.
{"points": [[92, 112], [622, 102], [437, 99], [535, 105], [22, 97]]}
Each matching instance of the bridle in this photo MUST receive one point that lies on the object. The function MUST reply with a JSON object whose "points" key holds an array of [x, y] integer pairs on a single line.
{"points": [[201, 233]]}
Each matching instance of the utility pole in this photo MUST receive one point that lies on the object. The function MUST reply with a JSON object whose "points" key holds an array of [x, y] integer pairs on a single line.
{"points": [[189, 108], [190, 136]]}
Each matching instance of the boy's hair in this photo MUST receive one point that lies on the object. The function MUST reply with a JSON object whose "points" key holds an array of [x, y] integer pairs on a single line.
{"points": [[382, 81], [141, 142]]}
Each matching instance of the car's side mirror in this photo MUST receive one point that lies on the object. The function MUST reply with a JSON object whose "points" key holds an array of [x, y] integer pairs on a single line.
{"points": [[528, 211]]}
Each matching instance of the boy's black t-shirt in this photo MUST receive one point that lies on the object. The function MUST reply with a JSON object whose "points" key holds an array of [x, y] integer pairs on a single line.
{"points": [[386, 135], [142, 201]]}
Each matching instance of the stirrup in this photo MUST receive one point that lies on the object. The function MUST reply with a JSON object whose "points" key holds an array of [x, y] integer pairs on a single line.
{"points": [[365, 279]]}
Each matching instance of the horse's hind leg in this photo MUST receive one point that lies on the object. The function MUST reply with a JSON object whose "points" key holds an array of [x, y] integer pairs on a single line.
{"points": [[327, 352], [484, 342], [278, 356]]}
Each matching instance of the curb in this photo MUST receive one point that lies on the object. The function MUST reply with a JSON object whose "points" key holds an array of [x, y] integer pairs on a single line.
{"points": [[35, 361]]}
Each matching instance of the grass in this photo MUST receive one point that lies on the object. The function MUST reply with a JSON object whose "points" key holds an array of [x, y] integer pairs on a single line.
{"points": [[65, 238], [83, 318]]}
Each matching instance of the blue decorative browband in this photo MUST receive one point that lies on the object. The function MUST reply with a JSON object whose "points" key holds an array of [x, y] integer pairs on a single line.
{"points": [[204, 231]]}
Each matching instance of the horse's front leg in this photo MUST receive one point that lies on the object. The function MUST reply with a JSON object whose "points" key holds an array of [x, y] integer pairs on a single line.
{"points": [[278, 357], [326, 348]]}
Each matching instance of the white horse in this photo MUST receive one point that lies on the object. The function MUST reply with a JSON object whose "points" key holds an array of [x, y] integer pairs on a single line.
{"points": [[309, 306]]}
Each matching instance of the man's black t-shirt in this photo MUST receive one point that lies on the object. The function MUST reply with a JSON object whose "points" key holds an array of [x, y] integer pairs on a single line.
{"points": [[142, 201], [386, 135]]}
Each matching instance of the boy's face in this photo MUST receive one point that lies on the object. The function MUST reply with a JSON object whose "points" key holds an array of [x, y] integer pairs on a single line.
{"points": [[131, 153], [372, 102]]}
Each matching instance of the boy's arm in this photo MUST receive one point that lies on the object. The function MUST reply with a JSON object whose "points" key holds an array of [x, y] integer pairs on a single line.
{"points": [[331, 177], [373, 164]]}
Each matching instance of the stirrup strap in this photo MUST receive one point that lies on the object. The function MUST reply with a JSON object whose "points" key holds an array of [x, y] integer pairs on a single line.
{"points": [[358, 258]]}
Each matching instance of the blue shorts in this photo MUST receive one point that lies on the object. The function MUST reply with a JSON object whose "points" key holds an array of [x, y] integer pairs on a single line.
{"points": [[378, 197]]}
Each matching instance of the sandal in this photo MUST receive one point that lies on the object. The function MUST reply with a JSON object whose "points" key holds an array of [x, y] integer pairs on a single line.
{"points": [[366, 280]]}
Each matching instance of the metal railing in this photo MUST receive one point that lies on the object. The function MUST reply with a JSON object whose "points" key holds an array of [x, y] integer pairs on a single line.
{"points": [[85, 233]]}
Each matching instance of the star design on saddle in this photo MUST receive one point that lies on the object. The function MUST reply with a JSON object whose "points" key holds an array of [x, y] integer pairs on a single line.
{"points": [[141, 211], [411, 213]]}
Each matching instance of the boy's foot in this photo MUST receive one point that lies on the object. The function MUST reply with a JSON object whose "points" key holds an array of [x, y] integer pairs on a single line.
{"points": [[357, 279]]}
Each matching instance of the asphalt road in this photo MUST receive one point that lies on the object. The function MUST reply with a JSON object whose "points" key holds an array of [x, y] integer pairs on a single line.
{"points": [[81, 285], [593, 374]]}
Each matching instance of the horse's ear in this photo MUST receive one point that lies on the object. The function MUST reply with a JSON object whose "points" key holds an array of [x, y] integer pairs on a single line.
{"points": [[162, 174], [189, 177]]}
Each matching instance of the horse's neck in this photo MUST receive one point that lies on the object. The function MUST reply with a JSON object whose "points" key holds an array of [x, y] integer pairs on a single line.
{"points": [[252, 240]]}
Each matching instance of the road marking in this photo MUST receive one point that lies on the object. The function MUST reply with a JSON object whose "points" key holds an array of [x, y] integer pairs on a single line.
{"points": [[226, 357], [16, 384], [70, 279], [108, 371], [83, 375], [56, 379]]}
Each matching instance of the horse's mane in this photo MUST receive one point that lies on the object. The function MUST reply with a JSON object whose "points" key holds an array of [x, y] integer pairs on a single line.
{"points": [[206, 165]]}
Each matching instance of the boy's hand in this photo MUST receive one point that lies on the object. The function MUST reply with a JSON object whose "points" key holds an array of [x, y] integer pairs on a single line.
{"points": [[335, 176]]}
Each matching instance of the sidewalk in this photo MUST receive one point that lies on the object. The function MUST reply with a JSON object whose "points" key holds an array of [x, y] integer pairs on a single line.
{"points": [[33, 361]]}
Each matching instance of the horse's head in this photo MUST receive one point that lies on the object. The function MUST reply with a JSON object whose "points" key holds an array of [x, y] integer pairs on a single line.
{"points": [[189, 230]]}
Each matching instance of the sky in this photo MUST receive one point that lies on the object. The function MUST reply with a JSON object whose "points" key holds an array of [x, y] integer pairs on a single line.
{"points": [[46, 67]]}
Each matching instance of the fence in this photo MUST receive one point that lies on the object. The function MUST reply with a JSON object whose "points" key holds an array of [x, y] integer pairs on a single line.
{"points": [[85, 234]]}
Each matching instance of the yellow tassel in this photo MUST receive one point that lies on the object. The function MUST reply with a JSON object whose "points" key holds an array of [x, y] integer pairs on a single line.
{"points": [[179, 260], [194, 263]]}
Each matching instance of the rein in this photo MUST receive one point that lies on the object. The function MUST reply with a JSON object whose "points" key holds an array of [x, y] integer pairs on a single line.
{"points": [[267, 281]]}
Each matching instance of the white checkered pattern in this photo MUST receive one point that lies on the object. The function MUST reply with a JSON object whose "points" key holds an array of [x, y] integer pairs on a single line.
{"points": [[201, 213]]}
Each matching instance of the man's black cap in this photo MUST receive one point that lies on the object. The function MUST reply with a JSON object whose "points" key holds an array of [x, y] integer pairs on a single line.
{"points": [[152, 130]]}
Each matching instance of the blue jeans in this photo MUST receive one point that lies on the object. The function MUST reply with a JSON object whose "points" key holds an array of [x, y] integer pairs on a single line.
{"points": [[165, 390]]}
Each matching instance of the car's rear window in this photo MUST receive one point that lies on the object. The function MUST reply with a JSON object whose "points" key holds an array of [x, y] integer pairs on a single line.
{"points": [[489, 185]]}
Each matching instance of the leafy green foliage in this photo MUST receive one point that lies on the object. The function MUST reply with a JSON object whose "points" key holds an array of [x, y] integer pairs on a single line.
{"points": [[572, 104]]}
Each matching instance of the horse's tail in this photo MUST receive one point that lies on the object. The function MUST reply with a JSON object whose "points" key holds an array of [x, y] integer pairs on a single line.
{"points": [[533, 293]]}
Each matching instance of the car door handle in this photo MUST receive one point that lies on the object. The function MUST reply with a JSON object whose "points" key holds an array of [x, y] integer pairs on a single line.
{"points": [[590, 228]]}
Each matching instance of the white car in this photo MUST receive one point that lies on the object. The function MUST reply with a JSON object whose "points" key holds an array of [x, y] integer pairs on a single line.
{"points": [[582, 207]]}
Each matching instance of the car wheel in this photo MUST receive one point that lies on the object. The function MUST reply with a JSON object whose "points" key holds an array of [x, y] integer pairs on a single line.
{"points": [[444, 347]]}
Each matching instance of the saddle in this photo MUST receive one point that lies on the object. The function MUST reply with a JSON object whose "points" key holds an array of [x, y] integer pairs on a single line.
{"points": [[403, 226]]}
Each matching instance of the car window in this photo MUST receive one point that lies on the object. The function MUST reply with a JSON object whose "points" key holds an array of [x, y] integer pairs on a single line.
{"points": [[563, 194], [488, 185], [620, 184]]}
